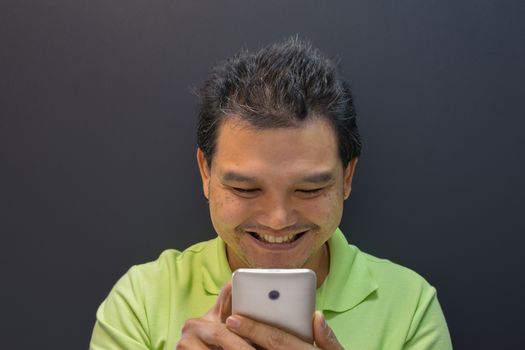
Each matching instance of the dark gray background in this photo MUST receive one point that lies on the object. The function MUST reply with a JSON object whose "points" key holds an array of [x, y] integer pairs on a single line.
{"points": [[97, 146]]}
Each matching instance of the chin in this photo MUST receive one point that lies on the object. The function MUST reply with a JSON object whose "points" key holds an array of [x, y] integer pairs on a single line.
{"points": [[276, 264]]}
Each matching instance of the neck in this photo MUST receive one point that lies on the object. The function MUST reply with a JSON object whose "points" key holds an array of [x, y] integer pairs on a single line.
{"points": [[324, 265]]}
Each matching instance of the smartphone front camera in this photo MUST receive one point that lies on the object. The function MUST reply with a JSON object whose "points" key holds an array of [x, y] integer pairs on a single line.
{"points": [[273, 295]]}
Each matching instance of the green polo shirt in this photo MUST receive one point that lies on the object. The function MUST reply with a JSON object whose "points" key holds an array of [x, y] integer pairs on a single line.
{"points": [[370, 303]]}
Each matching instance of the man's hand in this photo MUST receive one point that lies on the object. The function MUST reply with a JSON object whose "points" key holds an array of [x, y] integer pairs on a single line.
{"points": [[210, 331], [272, 338], [218, 329]]}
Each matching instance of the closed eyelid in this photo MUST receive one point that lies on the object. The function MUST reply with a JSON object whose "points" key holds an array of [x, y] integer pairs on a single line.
{"points": [[313, 191], [245, 189]]}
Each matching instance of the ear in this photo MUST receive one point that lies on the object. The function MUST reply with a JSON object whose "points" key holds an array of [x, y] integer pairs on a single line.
{"points": [[204, 170], [348, 176]]}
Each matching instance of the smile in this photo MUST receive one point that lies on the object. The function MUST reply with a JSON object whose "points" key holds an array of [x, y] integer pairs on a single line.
{"points": [[276, 239]]}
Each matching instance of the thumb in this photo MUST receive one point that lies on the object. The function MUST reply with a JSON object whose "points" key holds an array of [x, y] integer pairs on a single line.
{"points": [[323, 335]]}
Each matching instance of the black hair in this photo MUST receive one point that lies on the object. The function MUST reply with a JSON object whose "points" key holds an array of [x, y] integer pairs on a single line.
{"points": [[280, 85]]}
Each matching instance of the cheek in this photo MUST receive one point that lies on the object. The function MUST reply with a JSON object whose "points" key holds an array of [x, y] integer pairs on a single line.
{"points": [[326, 209], [227, 209]]}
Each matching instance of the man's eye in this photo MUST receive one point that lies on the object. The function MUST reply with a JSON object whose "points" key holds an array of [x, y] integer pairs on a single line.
{"points": [[244, 190], [313, 191]]}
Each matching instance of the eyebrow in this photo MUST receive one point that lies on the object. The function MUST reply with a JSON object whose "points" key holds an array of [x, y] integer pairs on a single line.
{"points": [[318, 178], [236, 177], [323, 177]]}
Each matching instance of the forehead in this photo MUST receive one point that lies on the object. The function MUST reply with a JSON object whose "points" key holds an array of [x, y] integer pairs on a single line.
{"points": [[309, 145]]}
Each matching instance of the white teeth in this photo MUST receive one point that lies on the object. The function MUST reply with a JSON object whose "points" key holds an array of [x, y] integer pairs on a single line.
{"points": [[274, 239]]}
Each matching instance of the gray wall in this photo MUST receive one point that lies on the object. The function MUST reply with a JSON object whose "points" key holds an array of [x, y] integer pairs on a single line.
{"points": [[97, 146]]}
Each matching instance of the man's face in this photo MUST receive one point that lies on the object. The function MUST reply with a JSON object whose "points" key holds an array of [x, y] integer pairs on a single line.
{"points": [[276, 195]]}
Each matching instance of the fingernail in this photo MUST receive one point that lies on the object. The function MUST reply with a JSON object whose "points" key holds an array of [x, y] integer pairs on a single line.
{"points": [[233, 322], [324, 321]]}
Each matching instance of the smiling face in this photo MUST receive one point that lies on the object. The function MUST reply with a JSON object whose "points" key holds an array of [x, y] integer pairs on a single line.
{"points": [[276, 195]]}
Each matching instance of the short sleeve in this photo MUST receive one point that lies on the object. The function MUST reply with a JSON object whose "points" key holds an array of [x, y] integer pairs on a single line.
{"points": [[121, 319], [428, 330]]}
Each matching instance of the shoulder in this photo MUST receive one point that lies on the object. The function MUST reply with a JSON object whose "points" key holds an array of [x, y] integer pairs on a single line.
{"points": [[397, 280], [349, 262], [361, 274], [169, 262], [150, 285], [388, 271], [411, 297]]}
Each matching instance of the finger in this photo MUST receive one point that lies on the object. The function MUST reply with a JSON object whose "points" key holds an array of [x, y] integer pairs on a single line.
{"points": [[223, 305], [266, 336], [213, 334], [226, 302], [191, 343], [224, 339], [323, 335]]}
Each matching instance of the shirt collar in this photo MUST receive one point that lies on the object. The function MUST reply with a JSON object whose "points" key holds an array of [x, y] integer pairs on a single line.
{"points": [[348, 283], [216, 270]]}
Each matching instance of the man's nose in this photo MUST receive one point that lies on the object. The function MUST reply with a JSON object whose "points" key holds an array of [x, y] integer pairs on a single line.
{"points": [[277, 213]]}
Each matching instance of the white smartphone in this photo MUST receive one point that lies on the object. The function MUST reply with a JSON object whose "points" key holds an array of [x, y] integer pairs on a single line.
{"points": [[284, 298]]}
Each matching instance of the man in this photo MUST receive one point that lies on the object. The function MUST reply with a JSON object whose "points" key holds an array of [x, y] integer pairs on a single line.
{"points": [[277, 150]]}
